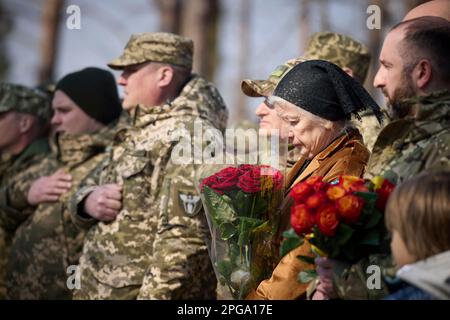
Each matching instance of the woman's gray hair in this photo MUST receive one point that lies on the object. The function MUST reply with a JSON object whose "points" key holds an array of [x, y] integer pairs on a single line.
{"points": [[341, 125]]}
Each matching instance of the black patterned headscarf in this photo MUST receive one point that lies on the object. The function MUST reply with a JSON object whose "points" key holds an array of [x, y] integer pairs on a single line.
{"points": [[324, 89]]}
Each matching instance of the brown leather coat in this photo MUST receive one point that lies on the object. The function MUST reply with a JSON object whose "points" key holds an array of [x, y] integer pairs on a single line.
{"points": [[345, 156]]}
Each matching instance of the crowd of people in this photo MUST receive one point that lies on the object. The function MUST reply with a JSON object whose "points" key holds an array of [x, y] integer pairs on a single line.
{"points": [[87, 179]]}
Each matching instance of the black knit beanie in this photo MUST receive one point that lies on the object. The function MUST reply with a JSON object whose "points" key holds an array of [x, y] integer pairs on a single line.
{"points": [[94, 90], [325, 90]]}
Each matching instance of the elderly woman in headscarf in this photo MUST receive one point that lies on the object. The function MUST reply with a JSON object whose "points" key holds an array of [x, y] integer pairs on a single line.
{"points": [[315, 100]]}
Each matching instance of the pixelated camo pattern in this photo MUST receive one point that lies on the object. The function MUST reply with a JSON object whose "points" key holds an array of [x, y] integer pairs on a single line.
{"points": [[333, 47], [157, 47], [26, 100], [10, 167], [48, 242], [409, 146], [154, 249]]}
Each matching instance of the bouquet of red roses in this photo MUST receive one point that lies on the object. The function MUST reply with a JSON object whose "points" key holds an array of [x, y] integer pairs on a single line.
{"points": [[342, 220], [241, 204]]}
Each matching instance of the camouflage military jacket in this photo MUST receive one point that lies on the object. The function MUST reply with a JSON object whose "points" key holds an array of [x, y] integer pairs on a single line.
{"points": [[155, 247], [408, 146], [10, 165], [48, 242]]}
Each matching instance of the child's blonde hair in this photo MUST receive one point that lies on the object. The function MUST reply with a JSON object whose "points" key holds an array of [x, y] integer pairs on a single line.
{"points": [[419, 210]]}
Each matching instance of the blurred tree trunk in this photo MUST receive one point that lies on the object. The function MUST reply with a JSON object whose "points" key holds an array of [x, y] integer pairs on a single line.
{"points": [[199, 21], [170, 14], [5, 27], [244, 49], [305, 29], [49, 42]]}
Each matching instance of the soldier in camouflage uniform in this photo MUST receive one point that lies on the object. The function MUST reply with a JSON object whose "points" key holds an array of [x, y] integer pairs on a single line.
{"points": [[86, 109], [19, 147], [352, 56], [149, 238], [419, 138], [406, 147]]}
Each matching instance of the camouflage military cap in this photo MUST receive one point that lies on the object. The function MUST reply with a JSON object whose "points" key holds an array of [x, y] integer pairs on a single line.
{"points": [[341, 50], [264, 88], [14, 97], [333, 47], [157, 47]]}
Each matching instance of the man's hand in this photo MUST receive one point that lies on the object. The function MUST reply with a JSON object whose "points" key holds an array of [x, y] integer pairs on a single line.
{"points": [[49, 188], [325, 289], [104, 203]]}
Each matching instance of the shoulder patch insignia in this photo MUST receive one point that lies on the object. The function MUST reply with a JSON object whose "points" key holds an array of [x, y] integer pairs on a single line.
{"points": [[190, 203]]}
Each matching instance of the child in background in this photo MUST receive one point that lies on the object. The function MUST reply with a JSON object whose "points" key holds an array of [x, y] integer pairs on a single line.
{"points": [[418, 216]]}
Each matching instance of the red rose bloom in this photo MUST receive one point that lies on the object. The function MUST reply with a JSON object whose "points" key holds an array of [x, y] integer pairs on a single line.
{"points": [[222, 181], [316, 200], [301, 191], [327, 220], [250, 181], [302, 219], [243, 168], [313, 180], [349, 208], [383, 194], [316, 183]]}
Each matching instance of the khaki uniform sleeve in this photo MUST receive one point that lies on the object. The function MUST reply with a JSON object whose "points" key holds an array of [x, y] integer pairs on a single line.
{"points": [[76, 202], [14, 207]]}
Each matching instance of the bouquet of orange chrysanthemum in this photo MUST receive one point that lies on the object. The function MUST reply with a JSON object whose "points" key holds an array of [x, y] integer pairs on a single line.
{"points": [[341, 220]]}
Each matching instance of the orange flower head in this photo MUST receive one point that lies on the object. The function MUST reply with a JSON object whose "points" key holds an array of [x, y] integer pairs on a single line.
{"points": [[301, 191], [316, 200], [313, 180], [327, 220], [335, 192], [350, 208], [352, 183], [302, 219]]}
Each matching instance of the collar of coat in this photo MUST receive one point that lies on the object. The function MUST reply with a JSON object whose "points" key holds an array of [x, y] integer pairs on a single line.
{"points": [[295, 176], [74, 149]]}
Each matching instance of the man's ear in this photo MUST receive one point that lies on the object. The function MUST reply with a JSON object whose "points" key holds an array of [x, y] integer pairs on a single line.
{"points": [[165, 76], [421, 74], [25, 122]]}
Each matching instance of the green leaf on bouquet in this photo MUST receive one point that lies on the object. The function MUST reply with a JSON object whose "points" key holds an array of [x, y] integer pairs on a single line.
{"points": [[374, 219], [227, 231], [246, 226], [370, 199], [291, 241], [372, 238], [219, 209], [306, 259], [264, 227], [260, 207], [225, 268], [343, 235], [243, 203], [306, 276]]}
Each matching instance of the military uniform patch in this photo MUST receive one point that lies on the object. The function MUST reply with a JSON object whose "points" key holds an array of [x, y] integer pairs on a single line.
{"points": [[190, 203]]}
